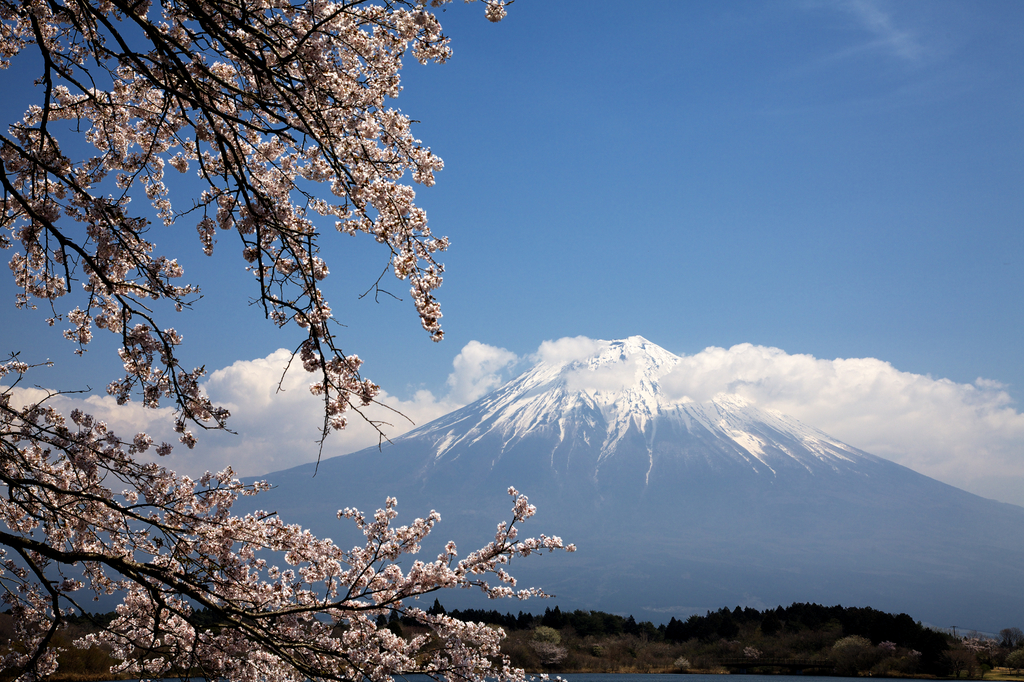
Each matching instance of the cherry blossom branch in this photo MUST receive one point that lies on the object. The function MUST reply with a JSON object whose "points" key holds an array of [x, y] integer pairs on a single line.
{"points": [[282, 109], [215, 560]]}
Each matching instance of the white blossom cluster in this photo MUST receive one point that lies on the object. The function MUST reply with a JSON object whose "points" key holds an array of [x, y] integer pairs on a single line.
{"points": [[978, 643], [291, 606], [279, 107]]}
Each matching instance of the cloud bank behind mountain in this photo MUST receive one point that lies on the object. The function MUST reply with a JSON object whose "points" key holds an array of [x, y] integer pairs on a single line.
{"points": [[967, 435]]}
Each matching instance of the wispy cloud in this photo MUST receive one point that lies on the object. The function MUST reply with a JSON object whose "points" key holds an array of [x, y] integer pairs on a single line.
{"points": [[886, 36], [867, 28]]}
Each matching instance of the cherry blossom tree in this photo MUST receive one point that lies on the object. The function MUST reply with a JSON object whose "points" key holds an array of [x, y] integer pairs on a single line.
{"points": [[280, 109], [1015, 660]]}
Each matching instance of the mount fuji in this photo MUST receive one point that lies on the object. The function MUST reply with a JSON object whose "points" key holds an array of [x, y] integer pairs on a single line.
{"points": [[679, 506]]}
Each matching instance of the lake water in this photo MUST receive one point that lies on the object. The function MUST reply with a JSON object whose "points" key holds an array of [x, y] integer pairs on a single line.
{"points": [[636, 677]]}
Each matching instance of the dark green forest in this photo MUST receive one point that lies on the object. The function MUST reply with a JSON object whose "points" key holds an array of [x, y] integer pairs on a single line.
{"points": [[828, 640]]}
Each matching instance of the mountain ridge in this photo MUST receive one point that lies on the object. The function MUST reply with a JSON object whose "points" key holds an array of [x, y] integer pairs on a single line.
{"points": [[675, 501]]}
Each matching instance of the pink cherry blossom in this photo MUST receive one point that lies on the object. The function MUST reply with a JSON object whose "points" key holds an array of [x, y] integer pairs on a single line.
{"points": [[281, 110]]}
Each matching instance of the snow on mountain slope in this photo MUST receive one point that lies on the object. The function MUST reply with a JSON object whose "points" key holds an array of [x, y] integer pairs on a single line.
{"points": [[614, 395]]}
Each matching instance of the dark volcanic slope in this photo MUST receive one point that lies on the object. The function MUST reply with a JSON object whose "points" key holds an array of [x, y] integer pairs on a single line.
{"points": [[682, 506]]}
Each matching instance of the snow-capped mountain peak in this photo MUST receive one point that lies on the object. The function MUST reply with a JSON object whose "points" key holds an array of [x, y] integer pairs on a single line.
{"points": [[618, 380], [610, 401]]}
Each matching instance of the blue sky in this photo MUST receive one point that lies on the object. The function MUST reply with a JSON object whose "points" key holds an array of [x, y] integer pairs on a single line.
{"points": [[801, 175], [832, 179]]}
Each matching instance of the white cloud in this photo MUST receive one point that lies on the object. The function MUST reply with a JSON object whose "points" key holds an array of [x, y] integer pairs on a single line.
{"points": [[968, 435], [278, 429], [123, 420], [276, 420], [610, 378], [478, 371], [567, 349]]}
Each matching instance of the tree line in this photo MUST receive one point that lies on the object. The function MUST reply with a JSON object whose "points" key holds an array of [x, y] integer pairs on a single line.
{"points": [[836, 639], [850, 640], [871, 623]]}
